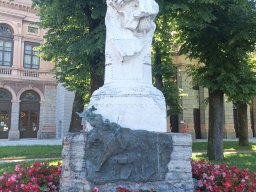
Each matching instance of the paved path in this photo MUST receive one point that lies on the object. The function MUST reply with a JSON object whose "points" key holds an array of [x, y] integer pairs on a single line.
{"points": [[6, 142], [23, 160], [199, 152], [251, 140]]}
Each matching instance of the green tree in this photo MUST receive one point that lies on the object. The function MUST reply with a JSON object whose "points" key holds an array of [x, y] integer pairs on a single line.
{"points": [[241, 95], [164, 71], [75, 42], [219, 34]]}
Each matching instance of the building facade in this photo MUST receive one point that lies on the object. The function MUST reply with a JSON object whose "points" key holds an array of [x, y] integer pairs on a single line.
{"points": [[33, 105], [194, 116], [29, 106]]}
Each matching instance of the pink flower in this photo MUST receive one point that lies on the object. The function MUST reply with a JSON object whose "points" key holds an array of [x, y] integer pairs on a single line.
{"points": [[216, 166], [95, 189], [17, 168], [218, 178], [212, 177], [200, 183]]}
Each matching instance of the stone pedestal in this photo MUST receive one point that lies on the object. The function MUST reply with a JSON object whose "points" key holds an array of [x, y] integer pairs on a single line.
{"points": [[132, 159], [136, 107], [14, 135]]}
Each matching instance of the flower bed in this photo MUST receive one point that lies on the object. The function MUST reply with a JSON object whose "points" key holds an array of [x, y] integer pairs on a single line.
{"points": [[121, 189], [219, 178], [41, 177], [36, 178]]}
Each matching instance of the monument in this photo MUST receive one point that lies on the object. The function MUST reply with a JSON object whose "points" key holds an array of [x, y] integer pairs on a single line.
{"points": [[128, 97], [127, 144]]}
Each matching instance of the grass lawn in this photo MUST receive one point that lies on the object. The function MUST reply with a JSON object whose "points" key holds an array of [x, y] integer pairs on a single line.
{"points": [[241, 160], [228, 145], [37, 151]]}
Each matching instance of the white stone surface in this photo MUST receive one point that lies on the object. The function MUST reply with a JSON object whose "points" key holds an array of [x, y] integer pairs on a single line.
{"points": [[64, 104], [180, 170], [14, 132], [128, 96]]}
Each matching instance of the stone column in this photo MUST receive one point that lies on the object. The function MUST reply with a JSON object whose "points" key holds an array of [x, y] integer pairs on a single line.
{"points": [[254, 114], [14, 132], [41, 121], [48, 113], [188, 101], [20, 53], [16, 55], [204, 113], [250, 133], [229, 130]]}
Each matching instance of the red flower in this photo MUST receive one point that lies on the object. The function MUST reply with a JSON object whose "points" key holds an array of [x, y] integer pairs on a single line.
{"points": [[121, 189], [220, 178], [31, 179]]}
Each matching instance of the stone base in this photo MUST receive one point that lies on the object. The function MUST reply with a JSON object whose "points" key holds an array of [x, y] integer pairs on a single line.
{"points": [[157, 186], [14, 134], [137, 107], [47, 135], [89, 163]]}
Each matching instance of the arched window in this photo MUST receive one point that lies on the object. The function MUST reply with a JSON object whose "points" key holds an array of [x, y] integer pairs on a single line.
{"points": [[30, 96], [29, 114], [5, 95], [5, 113], [6, 45]]}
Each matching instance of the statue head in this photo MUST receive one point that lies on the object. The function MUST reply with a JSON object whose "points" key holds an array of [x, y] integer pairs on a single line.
{"points": [[136, 15]]}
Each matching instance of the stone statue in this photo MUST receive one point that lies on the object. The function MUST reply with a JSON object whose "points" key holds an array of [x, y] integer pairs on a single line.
{"points": [[114, 153], [126, 145], [130, 28], [128, 97]]}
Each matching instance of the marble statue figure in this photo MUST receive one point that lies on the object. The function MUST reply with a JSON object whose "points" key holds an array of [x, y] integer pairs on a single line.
{"points": [[128, 97]]}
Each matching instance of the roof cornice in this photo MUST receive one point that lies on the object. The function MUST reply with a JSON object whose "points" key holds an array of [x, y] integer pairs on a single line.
{"points": [[17, 6]]}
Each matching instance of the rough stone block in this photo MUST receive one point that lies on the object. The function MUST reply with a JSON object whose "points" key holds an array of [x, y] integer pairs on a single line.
{"points": [[135, 159]]}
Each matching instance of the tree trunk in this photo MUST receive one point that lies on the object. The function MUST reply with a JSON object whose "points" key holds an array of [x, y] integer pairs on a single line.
{"points": [[216, 121], [242, 124], [158, 70], [78, 106], [97, 66], [97, 60]]}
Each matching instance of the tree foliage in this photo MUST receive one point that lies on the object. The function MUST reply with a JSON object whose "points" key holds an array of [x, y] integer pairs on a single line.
{"points": [[75, 40], [164, 71], [219, 36], [219, 33]]}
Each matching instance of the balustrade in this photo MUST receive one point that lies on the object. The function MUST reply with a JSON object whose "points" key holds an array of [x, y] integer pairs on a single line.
{"points": [[9, 72]]}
